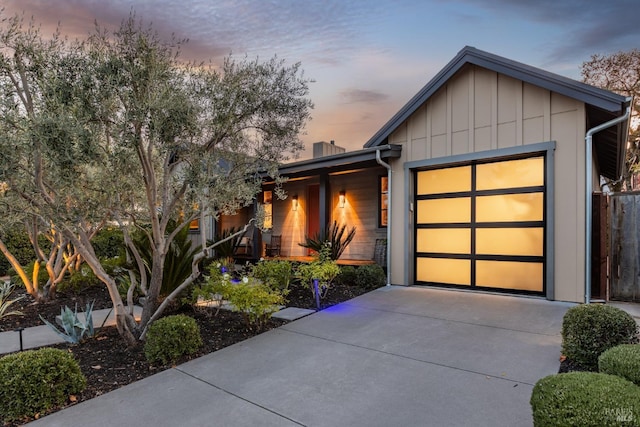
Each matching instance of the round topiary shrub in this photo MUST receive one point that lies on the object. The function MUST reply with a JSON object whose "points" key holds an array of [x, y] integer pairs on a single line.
{"points": [[588, 330], [171, 337], [623, 361], [370, 276], [37, 380], [585, 399]]}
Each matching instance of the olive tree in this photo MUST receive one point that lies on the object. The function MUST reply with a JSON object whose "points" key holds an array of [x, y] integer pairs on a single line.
{"points": [[128, 133], [26, 114], [620, 73]]}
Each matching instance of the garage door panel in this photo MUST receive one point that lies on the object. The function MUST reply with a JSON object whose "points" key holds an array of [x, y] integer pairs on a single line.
{"points": [[510, 207], [523, 276], [444, 270], [510, 241], [444, 211], [510, 174], [444, 240], [449, 180]]}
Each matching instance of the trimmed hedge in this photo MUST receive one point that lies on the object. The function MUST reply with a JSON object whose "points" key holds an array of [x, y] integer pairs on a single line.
{"points": [[588, 330], [623, 361], [585, 399], [37, 380], [370, 276], [171, 337]]}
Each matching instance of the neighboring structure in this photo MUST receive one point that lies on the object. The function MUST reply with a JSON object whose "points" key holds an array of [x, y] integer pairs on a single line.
{"points": [[480, 181]]}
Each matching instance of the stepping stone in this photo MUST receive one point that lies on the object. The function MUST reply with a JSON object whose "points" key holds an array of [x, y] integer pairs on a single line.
{"points": [[292, 313]]}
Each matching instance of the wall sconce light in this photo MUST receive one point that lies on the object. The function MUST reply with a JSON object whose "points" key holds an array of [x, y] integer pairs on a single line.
{"points": [[294, 203], [341, 199]]}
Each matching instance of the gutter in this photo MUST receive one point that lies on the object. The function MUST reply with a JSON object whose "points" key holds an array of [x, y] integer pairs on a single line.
{"points": [[588, 190], [389, 210]]}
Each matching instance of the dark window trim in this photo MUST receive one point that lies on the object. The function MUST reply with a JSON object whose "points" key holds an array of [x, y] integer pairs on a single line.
{"points": [[379, 207]]}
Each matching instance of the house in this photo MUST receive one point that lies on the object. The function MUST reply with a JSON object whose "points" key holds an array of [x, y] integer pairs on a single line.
{"points": [[483, 180]]}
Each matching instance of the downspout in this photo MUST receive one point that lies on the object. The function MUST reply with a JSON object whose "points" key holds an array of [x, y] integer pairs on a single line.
{"points": [[388, 167], [589, 188]]}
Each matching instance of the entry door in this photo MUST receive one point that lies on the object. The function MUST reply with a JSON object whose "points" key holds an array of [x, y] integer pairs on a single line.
{"points": [[482, 225], [313, 212]]}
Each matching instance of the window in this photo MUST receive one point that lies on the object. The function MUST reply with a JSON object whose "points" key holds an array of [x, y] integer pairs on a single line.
{"points": [[194, 225], [383, 207], [267, 200]]}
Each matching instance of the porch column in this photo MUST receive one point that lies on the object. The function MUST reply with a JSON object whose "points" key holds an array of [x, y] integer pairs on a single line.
{"points": [[324, 203]]}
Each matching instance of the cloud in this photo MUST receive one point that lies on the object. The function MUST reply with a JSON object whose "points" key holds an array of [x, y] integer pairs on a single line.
{"points": [[325, 32], [351, 96], [588, 27]]}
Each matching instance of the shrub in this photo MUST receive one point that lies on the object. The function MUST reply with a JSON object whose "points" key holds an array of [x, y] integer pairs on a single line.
{"points": [[623, 361], [370, 276], [254, 300], [324, 271], [19, 245], [177, 263], [81, 278], [37, 380], [274, 273], [585, 399], [590, 329], [109, 243], [170, 338], [347, 275]]}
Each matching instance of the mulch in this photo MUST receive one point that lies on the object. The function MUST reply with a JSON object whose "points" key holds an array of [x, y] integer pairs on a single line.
{"points": [[108, 363]]}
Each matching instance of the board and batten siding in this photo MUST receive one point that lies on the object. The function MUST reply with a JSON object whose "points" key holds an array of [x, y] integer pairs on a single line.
{"points": [[478, 111]]}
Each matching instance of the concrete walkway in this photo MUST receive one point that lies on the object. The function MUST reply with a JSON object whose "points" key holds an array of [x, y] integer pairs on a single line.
{"points": [[393, 357], [38, 336]]}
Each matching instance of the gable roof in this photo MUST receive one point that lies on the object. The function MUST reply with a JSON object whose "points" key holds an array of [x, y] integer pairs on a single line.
{"points": [[602, 105]]}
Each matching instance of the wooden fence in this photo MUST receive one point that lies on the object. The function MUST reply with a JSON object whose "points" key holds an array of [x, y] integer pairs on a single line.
{"points": [[624, 234]]}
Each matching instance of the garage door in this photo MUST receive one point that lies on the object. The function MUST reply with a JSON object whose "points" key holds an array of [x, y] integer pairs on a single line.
{"points": [[482, 225]]}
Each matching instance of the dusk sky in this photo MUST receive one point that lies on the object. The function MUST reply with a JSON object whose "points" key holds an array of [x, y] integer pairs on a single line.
{"points": [[369, 57]]}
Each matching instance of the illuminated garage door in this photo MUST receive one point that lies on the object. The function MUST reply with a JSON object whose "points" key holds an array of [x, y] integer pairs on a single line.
{"points": [[482, 225]]}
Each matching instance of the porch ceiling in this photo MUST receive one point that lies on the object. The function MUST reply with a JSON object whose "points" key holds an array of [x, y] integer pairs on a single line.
{"points": [[360, 159]]}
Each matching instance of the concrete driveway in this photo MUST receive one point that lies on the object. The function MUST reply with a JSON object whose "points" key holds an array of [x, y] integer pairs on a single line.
{"points": [[394, 357]]}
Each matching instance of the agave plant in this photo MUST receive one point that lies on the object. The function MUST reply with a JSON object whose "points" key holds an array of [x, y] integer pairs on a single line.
{"points": [[6, 288], [334, 237], [74, 330]]}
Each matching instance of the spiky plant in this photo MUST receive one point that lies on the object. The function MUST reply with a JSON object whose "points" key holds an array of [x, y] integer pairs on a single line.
{"points": [[335, 236]]}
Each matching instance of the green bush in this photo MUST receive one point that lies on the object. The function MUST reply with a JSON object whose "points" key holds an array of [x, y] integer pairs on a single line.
{"points": [[17, 241], [324, 271], [347, 276], [172, 337], [109, 243], [37, 380], [370, 276], [623, 361], [274, 273], [590, 329], [585, 399]]}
